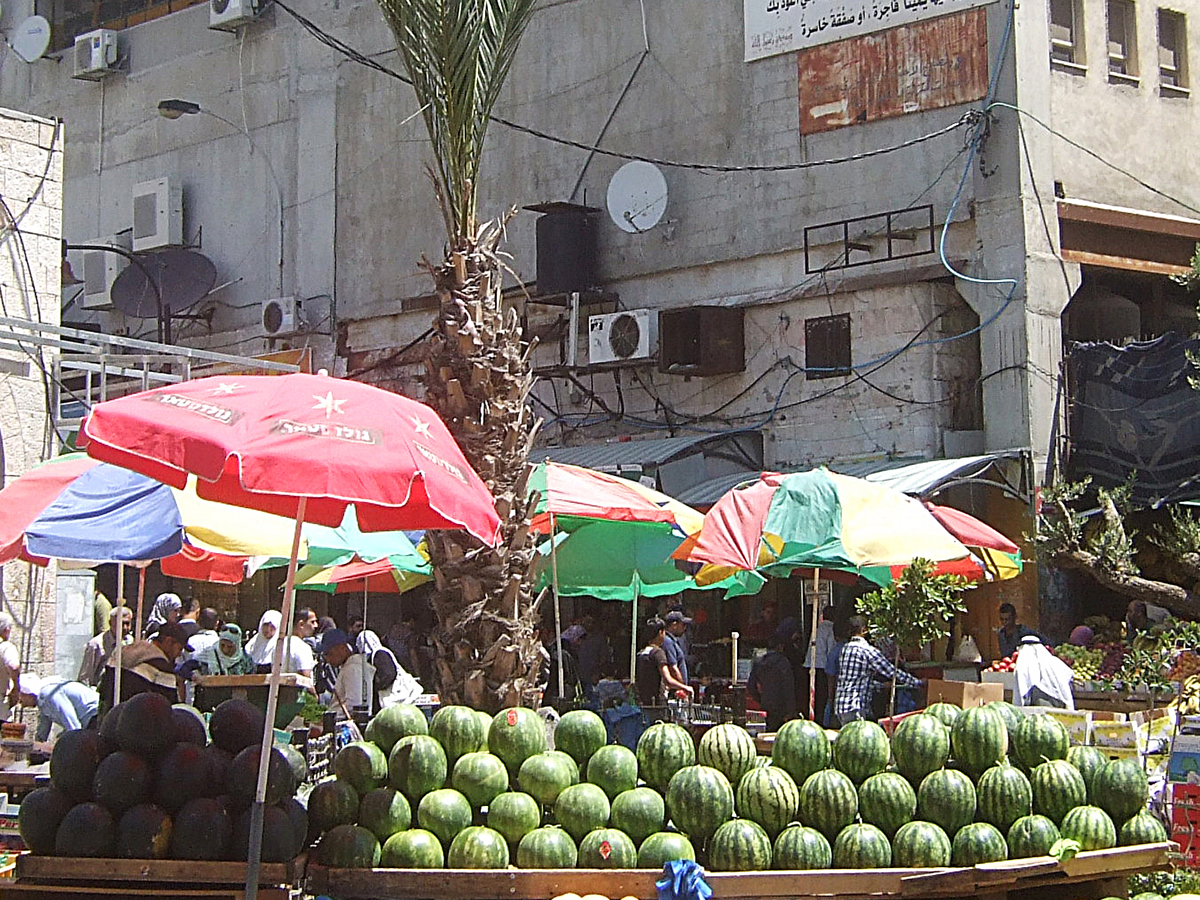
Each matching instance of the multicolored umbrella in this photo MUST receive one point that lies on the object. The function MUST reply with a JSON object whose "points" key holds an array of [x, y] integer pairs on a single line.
{"points": [[1001, 558], [570, 495], [381, 576]]}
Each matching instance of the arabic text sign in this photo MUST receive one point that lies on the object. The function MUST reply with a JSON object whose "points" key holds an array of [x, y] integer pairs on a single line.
{"points": [[928, 65], [780, 26]]}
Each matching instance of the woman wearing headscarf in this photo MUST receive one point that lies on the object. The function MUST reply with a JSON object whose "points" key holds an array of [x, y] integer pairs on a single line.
{"points": [[167, 608], [226, 656], [390, 677], [262, 645]]}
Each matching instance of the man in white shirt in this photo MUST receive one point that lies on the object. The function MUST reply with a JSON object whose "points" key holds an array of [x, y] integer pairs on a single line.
{"points": [[825, 642], [355, 676], [297, 655], [10, 666], [68, 704]]}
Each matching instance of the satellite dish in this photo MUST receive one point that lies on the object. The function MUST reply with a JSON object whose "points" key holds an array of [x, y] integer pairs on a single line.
{"points": [[637, 196], [183, 277], [31, 39]]}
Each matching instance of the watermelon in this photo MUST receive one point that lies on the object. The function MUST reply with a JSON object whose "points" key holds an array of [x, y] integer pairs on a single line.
{"points": [[861, 750], [1040, 739], [861, 846], [920, 845], [947, 799], [579, 734], [582, 808], [979, 739], [331, 803], [144, 832], [73, 763], [828, 802], [1091, 826], [1089, 761], [606, 848], [1120, 788], [384, 812], [445, 812], [801, 847], [415, 848], [729, 749], [278, 835], [699, 800], [458, 730], [887, 801], [544, 775], [1057, 789], [976, 843], [1031, 836], [920, 745], [1143, 828], [122, 781], [362, 765], [614, 769], [479, 777], [394, 722], [477, 847], [146, 726], [739, 845], [416, 766], [241, 778], [88, 829], [547, 848], [662, 847], [801, 747], [516, 734], [184, 773], [639, 813], [662, 750], [1003, 795], [946, 713], [514, 814], [203, 829], [767, 795], [38, 818], [1012, 716], [234, 725]]}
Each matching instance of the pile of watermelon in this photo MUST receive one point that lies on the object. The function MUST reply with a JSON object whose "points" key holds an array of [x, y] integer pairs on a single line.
{"points": [[952, 787], [148, 784]]}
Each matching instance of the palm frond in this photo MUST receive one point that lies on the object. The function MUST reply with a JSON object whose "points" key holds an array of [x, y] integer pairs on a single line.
{"points": [[458, 54]]}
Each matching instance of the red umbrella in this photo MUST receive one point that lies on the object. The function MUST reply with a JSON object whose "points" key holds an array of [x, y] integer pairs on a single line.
{"points": [[304, 446]]}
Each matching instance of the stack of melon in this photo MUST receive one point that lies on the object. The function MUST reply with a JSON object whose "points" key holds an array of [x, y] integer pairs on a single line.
{"points": [[149, 785]]}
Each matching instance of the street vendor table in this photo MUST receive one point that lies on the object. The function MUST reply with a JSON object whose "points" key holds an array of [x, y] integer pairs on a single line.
{"points": [[1121, 701], [212, 690], [20, 778]]}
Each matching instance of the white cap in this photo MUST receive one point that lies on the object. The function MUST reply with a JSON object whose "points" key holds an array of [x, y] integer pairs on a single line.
{"points": [[29, 683]]}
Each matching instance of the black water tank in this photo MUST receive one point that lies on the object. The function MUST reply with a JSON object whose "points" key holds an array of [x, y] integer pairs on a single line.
{"points": [[566, 248]]}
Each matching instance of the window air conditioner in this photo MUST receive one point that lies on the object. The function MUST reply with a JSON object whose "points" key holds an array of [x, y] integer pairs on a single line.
{"points": [[95, 54], [157, 214], [230, 15], [619, 337], [280, 316]]}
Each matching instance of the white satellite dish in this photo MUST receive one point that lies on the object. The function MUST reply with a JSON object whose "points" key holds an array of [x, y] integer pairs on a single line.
{"points": [[31, 39], [637, 196]]}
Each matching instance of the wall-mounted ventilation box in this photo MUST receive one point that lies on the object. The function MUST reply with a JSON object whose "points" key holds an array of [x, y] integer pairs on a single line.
{"points": [[157, 214], [702, 340], [95, 54], [100, 269], [281, 316], [622, 337], [230, 15]]}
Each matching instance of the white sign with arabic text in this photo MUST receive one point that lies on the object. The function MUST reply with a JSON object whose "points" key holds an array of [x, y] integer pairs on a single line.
{"points": [[780, 26]]}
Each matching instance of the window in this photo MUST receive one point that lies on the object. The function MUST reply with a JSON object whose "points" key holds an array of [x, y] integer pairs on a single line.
{"points": [[827, 346], [1122, 42], [1066, 39], [1172, 54], [69, 18]]}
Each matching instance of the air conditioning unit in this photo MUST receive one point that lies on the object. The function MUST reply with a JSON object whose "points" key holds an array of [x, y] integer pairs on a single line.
{"points": [[230, 15], [95, 54], [280, 316], [99, 269], [157, 214], [623, 336]]}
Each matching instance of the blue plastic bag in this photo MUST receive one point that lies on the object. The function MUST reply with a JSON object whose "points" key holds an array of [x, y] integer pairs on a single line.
{"points": [[683, 880]]}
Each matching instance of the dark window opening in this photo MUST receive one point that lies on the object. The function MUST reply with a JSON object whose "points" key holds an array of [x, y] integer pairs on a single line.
{"points": [[69, 18], [827, 346], [702, 340]]}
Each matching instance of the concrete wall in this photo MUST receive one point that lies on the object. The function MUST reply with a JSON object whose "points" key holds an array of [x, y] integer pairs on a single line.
{"points": [[31, 161]]}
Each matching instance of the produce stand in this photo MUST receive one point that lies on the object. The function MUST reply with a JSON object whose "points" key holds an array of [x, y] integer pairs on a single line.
{"points": [[1093, 874], [19, 778], [1121, 701], [212, 690], [60, 878]]}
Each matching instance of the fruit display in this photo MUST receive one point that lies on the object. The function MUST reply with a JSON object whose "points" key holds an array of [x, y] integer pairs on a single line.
{"points": [[1008, 664], [1085, 661], [149, 785]]}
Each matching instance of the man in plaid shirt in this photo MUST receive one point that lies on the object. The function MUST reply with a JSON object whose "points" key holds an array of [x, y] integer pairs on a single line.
{"points": [[858, 664]]}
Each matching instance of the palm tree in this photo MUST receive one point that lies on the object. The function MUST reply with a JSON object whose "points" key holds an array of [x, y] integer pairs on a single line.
{"points": [[458, 53]]}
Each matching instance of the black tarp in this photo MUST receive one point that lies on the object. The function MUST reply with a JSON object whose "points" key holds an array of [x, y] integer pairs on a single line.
{"points": [[1133, 409]]}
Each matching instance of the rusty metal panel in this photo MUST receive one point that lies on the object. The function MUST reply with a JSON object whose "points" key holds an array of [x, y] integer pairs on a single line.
{"points": [[927, 65]]}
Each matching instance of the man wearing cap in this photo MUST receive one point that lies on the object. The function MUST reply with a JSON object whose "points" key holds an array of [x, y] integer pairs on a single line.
{"points": [[677, 624], [68, 704], [226, 656], [97, 651], [148, 666]]}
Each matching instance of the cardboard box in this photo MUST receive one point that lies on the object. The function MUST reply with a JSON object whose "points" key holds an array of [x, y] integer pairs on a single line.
{"points": [[964, 694], [1078, 723], [1184, 764], [1007, 679], [1114, 734], [1185, 821]]}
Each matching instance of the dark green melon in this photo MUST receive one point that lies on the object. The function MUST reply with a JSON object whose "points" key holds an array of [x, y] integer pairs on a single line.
{"points": [[1004, 795], [663, 749], [445, 812], [415, 848], [39, 816], [861, 750], [639, 813], [887, 801], [614, 769], [582, 808], [297, 761], [579, 734], [920, 745], [1143, 828], [183, 774], [1089, 761], [1031, 836], [1012, 716], [384, 811], [699, 800], [547, 848], [362, 765], [73, 763], [1057, 789], [920, 845], [478, 847], [278, 836], [479, 777], [662, 847], [977, 843], [1091, 827], [189, 725], [348, 847], [88, 829], [1041, 739], [146, 726], [606, 848], [544, 776], [392, 723], [122, 780], [515, 735], [767, 795], [979, 739], [331, 803], [729, 749], [203, 829], [218, 761], [514, 814], [241, 779], [416, 766], [109, 722], [801, 847], [861, 846], [801, 747], [298, 816], [458, 730], [1121, 788], [235, 725], [739, 845], [947, 798], [946, 713], [828, 802]]}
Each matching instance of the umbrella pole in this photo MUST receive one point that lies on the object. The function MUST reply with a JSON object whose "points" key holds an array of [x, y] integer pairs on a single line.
{"points": [[257, 811], [633, 648], [120, 636], [817, 665], [137, 623], [557, 607]]}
